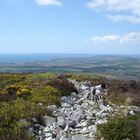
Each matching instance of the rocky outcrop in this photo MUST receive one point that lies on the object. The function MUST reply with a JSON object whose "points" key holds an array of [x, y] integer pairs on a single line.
{"points": [[78, 116]]}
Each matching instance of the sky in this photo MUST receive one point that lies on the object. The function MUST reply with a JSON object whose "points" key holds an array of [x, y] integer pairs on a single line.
{"points": [[70, 26]]}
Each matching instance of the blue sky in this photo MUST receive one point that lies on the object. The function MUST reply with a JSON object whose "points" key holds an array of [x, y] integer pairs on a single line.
{"points": [[70, 26]]}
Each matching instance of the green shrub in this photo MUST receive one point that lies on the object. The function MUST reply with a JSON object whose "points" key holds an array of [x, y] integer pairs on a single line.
{"points": [[11, 128], [48, 95], [19, 90], [11, 89], [62, 84], [119, 128]]}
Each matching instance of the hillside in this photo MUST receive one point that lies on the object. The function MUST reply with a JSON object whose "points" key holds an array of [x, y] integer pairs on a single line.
{"points": [[30, 102]]}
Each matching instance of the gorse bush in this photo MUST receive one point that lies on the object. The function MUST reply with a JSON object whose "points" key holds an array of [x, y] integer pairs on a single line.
{"points": [[48, 95], [18, 90], [19, 95]]}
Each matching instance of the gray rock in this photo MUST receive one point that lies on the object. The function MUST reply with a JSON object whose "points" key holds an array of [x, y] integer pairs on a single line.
{"points": [[57, 131], [86, 94], [60, 135], [36, 128], [102, 107], [48, 120], [61, 122], [49, 138], [101, 121], [66, 128], [90, 122], [80, 137], [35, 120], [72, 124], [65, 138], [93, 129], [47, 130], [73, 94], [131, 112], [64, 104], [85, 130], [82, 117], [48, 135], [39, 104], [84, 87], [52, 108], [85, 105]]}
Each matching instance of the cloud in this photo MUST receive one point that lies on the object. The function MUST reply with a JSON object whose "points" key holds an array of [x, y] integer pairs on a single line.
{"points": [[130, 38], [118, 18], [123, 10], [49, 2]]}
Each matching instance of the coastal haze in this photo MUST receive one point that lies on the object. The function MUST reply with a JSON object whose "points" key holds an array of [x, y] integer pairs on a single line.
{"points": [[126, 67]]}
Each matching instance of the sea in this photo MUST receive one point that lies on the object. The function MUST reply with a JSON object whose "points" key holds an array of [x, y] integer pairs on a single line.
{"points": [[25, 58]]}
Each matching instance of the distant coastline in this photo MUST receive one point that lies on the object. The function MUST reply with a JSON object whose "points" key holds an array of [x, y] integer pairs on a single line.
{"points": [[33, 57]]}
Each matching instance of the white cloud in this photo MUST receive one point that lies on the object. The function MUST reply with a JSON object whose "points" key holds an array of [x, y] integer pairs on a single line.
{"points": [[49, 2], [124, 10], [131, 19], [130, 38]]}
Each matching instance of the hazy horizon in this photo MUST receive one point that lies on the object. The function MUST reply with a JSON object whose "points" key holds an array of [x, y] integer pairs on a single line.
{"points": [[34, 57]]}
